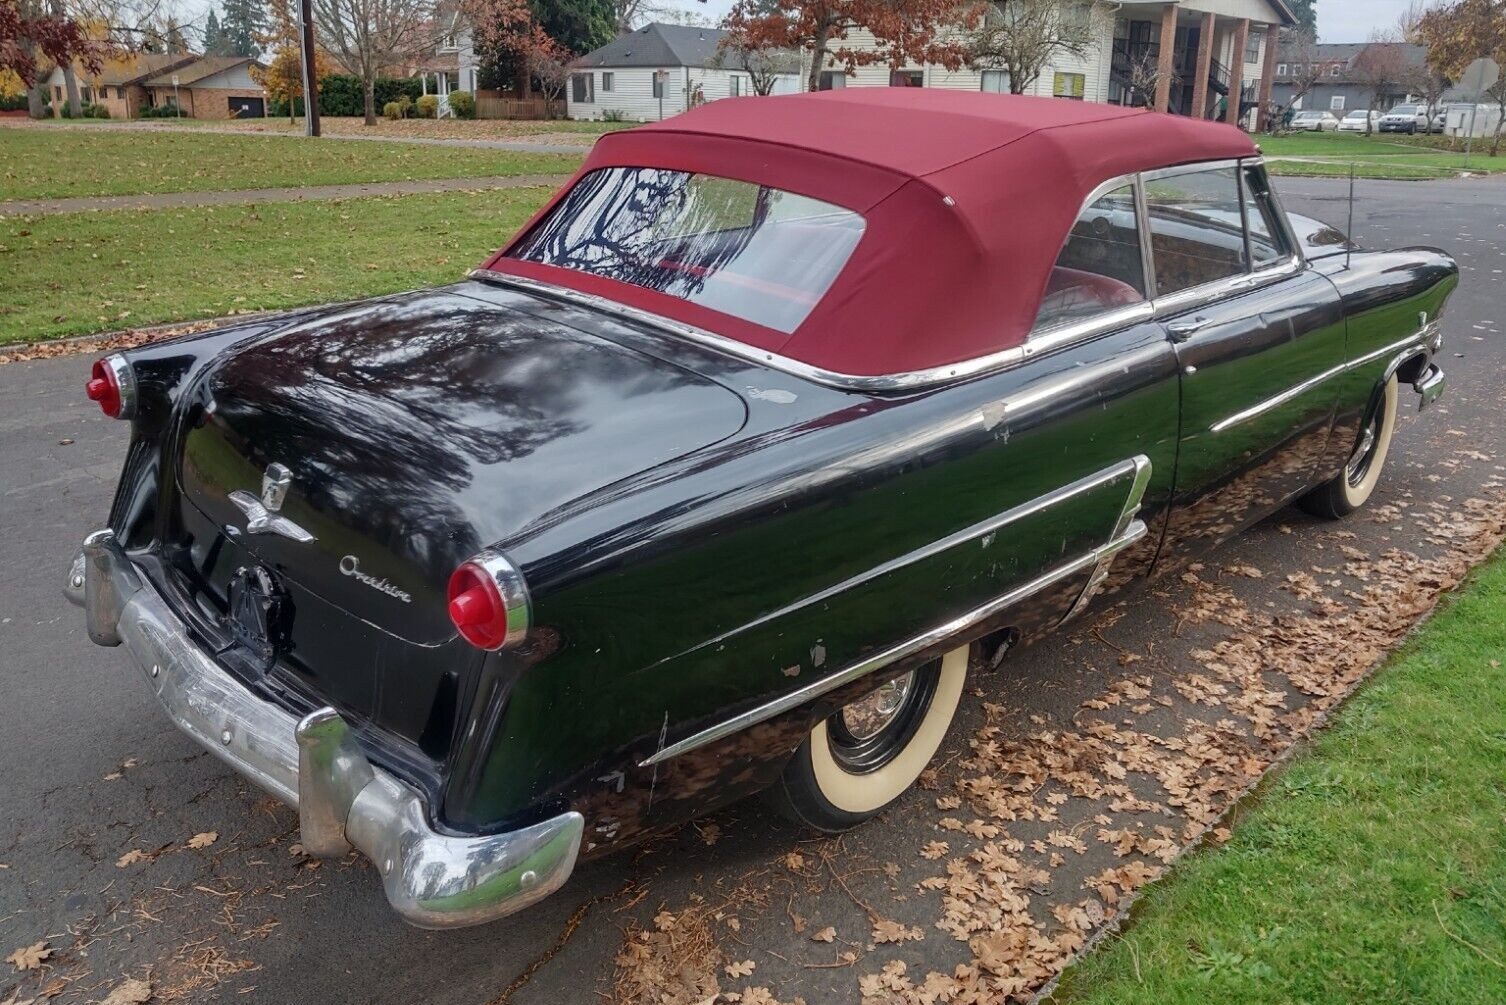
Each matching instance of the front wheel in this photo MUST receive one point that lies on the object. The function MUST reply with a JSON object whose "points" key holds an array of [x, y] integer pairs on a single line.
{"points": [[1351, 488], [862, 758]]}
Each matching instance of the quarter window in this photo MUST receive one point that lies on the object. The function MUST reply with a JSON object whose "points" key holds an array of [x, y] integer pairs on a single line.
{"points": [[1266, 244], [1196, 229], [1100, 268]]}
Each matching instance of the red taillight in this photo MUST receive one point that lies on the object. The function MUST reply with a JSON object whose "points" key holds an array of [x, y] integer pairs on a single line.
{"points": [[112, 383], [104, 388], [488, 603]]}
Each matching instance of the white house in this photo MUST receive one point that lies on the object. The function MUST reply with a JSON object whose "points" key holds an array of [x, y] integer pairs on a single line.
{"points": [[660, 70], [1198, 51]]}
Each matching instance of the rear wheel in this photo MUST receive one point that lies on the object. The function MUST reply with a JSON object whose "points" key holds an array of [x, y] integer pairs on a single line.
{"points": [[862, 758], [1351, 488]]}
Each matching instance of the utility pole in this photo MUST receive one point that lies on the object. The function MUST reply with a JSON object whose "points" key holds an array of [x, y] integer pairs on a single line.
{"points": [[310, 78]]}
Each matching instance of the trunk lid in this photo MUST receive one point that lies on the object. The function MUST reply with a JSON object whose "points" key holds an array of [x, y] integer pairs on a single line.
{"points": [[412, 433]]}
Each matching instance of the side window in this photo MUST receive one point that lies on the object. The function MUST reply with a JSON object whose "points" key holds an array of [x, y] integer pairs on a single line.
{"points": [[1267, 247], [1196, 231], [1100, 268]]}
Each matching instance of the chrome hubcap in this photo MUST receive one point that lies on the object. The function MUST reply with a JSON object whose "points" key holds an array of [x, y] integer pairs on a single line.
{"points": [[1359, 461], [867, 717]]}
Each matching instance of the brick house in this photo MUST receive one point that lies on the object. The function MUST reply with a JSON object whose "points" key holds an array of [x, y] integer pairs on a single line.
{"points": [[210, 87], [119, 84]]}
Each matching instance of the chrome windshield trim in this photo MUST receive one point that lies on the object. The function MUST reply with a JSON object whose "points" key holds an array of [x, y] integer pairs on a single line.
{"points": [[1122, 538], [1198, 166]]}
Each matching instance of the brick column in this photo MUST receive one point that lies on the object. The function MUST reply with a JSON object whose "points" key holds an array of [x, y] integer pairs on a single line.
{"points": [[1164, 64], [1237, 70], [1267, 76], [1204, 66]]}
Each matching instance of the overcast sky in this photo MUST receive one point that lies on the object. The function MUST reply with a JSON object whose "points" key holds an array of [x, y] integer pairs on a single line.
{"points": [[1338, 20]]}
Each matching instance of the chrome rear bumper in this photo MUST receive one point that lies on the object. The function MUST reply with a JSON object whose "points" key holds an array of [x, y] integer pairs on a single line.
{"points": [[433, 880]]}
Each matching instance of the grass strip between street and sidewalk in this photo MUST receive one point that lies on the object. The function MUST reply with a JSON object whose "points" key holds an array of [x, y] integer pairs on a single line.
{"points": [[82, 273], [1373, 868], [43, 163], [1382, 156]]}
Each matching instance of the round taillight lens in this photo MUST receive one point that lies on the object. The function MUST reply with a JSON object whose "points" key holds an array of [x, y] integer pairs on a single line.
{"points": [[104, 388], [476, 607]]}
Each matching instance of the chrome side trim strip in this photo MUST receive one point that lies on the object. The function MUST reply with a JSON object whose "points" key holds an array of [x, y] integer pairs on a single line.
{"points": [[1131, 508], [1197, 296], [1276, 401], [1123, 537], [1026, 509]]}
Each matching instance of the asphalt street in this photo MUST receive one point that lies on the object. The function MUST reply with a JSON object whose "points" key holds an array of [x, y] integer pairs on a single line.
{"points": [[100, 796]]}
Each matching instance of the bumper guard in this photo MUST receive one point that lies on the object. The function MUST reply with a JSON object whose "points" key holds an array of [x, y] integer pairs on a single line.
{"points": [[432, 880]]}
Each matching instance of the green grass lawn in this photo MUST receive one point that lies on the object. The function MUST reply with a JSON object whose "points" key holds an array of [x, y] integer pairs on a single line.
{"points": [[81, 273], [52, 163], [1378, 156], [1372, 870]]}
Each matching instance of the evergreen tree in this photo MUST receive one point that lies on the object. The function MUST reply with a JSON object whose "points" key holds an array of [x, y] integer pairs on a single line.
{"points": [[214, 36], [578, 25], [1307, 17], [176, 42], [243, 21]]}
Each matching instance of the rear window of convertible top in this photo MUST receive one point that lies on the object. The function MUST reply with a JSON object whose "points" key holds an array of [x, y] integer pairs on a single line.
{"points": [[754, 252]]}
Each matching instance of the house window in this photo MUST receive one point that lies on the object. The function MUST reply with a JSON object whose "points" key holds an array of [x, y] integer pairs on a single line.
{"points": [[1336, 103], [1335, 69], [659, 77], [1077, 19], [1280, 69], [1252, 49], [995, 81], [1069, 85], [832, 80], [607, 82], [120, 93], [735, 86], [1100, 268], [907, 78], [580, 88]]}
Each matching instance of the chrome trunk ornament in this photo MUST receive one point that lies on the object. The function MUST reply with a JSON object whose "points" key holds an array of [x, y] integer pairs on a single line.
{"points": [[261, 514]]}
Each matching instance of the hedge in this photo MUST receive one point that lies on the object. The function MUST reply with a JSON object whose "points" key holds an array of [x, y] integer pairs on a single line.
{"points": [[341, 93]]}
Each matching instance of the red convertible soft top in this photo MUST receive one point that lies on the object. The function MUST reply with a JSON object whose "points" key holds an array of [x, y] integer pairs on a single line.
{"points": [[967, 199]]}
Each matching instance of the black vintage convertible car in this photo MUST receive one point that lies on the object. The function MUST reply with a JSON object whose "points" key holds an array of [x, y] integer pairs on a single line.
{"points": [[709, 482]]}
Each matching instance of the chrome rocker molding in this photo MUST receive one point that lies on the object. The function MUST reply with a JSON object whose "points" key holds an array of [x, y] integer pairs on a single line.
{"points": [[432, 880], [1126, 532]]}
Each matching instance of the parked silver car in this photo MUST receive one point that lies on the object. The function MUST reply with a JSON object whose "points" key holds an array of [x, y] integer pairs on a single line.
{"points": [[1360, 120], [1315, 121], [1411, 119]]}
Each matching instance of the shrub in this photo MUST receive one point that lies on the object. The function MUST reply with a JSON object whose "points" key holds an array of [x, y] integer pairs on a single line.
{"points": [[163, 112], [405, 104], [463, 104], [428, 106], [13, 103], [96, 112], [613, 115], [341, 93], [392, 110]]}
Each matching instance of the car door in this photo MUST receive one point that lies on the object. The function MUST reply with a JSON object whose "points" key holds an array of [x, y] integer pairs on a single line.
{"points": [[1258, 337]]}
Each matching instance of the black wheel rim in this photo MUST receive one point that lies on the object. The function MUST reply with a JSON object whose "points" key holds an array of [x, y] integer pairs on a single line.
{"points": [[859, 744]]}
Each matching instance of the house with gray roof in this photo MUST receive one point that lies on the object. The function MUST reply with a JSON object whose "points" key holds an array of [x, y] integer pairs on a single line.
{"points": [[661, 70]]}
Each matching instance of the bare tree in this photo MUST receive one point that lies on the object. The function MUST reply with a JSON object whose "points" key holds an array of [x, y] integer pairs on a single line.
{"points": [[1144, 75], [763, 65], [1423, 78], [1378, 68], [634, 13], [553, 73], [1300, 52], [1023, 36], [367, 36]]}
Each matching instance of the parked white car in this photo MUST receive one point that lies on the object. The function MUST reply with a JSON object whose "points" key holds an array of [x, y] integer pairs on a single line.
{"points": [[1315, 120], [1409, 119], [1360, 120]]}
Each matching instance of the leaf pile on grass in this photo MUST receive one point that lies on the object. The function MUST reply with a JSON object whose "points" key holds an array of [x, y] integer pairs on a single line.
{"points": [[1150, 766]]}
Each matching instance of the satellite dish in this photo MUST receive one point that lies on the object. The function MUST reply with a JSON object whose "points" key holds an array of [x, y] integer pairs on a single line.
{"points": [[1479, 76]]}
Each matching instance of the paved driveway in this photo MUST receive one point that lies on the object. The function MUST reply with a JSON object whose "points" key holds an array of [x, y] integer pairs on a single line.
{"points": [[1077, 770]]}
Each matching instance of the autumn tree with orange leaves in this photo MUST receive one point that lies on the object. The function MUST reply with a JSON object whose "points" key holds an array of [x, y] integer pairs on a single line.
{"points": [[905, 31], [283, 75], [1459, 33]]}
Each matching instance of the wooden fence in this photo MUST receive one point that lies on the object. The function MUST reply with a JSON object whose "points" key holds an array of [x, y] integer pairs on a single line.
{"points": [[493, 105]]}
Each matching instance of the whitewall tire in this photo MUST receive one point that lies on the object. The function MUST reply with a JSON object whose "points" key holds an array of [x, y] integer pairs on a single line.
{"points": [[860, 760], [1352, 487]]}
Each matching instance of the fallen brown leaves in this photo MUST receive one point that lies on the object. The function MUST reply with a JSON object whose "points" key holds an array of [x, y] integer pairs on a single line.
{"points": [[29, 957], [1148, 767], [130, 338]]}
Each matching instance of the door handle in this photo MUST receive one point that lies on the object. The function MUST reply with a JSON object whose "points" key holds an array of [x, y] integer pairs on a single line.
{"points": [[1183, 328]]}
